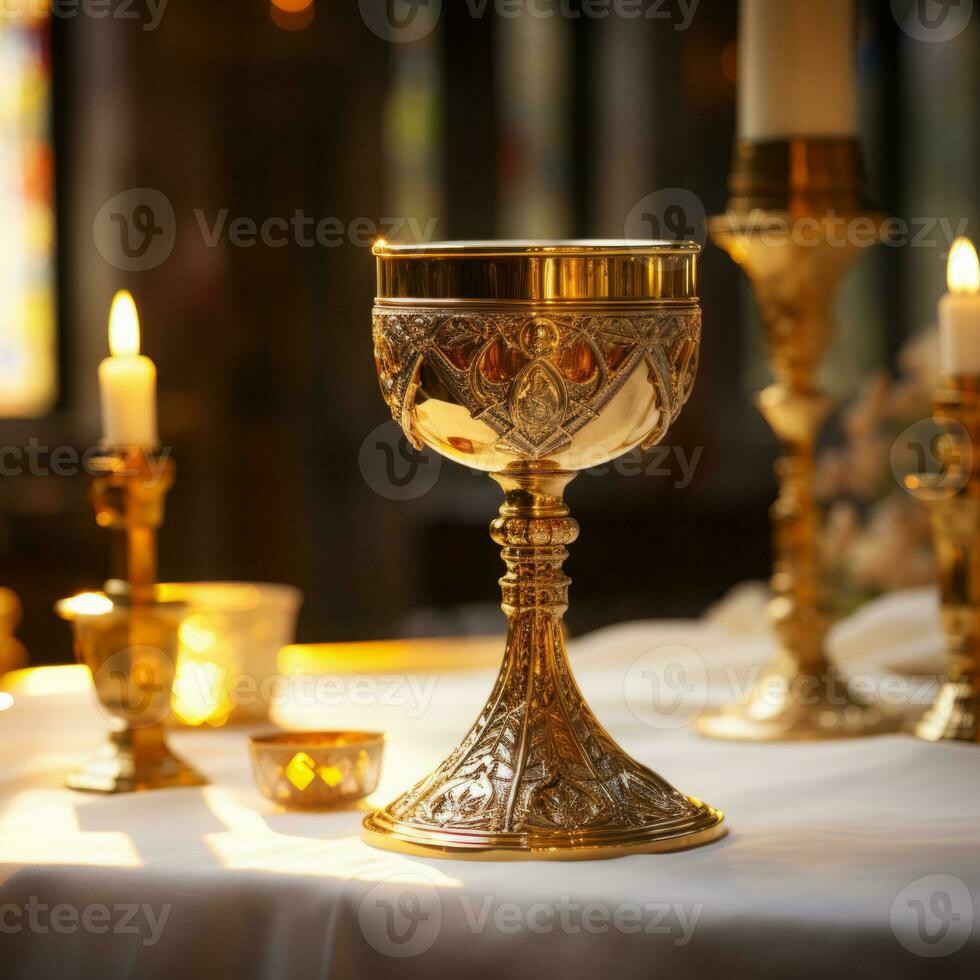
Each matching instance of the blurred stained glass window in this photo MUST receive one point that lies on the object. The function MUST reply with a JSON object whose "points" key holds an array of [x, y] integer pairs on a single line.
{"points": [[28, 353]]}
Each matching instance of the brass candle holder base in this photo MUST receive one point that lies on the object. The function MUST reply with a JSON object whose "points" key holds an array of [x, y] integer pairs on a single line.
{"points": [[130, 641], [787, 704], [953, 500], [955, 714], [792, 227], [532, 362], [537, 776], [132, 761], [131, 652]]}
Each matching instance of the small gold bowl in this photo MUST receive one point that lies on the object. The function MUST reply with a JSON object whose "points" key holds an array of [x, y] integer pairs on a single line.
{"points": [[303, 770]]}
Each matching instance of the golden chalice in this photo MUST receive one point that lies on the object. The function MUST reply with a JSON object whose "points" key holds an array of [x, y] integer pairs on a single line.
{"points": [[532, 362]]}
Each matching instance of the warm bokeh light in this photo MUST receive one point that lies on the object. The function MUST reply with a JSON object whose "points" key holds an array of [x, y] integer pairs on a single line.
{"points": [[963, 271], [301, 770], [292, 15], [87, 604], [124, 326], [43, 681], [6, 701], [200, 692], [439, 655]]}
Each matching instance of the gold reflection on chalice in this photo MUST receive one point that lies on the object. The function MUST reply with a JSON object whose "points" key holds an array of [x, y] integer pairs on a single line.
{"points": [[532, 362]]}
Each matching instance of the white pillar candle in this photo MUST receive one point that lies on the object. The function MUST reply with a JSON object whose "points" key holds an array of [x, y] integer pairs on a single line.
{"points": [[127, 382], [959, 313], [796, 69]]}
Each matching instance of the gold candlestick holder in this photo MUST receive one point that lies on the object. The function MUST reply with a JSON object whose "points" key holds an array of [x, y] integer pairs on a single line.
{"points": [[792, 225], [129, 640], [532, 362], [953, 500]]}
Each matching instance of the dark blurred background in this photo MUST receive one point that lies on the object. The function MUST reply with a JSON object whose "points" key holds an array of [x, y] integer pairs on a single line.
{"points": [[494, 127]]}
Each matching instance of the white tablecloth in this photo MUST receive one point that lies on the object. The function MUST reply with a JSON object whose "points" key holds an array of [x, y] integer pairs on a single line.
{"points": [[857, 858]]}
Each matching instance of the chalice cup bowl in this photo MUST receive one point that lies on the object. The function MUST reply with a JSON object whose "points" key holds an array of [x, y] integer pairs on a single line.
{"points": [[533, 361]]}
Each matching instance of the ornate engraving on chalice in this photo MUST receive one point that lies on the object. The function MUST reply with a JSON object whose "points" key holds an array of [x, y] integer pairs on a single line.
{"points": [[532, 362]]}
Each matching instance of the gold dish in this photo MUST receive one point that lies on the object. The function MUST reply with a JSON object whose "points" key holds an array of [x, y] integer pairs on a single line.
{"points": [[316, 770]]}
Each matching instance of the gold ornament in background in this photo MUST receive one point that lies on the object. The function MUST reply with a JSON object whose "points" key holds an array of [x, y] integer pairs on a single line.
{"points": [[953, 500], [532, 362], [13, 653], [792, 227]]}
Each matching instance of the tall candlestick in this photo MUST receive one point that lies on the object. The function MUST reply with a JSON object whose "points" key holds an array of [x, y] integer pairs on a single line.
{"points": [[127, 382], [796, 67], [959, 313]]}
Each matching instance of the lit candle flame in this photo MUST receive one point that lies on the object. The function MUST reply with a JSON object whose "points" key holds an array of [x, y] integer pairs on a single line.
{"points": [[124, 326], [963, 271]]}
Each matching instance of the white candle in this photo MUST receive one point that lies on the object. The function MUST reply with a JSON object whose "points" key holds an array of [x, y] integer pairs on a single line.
{"points": [[959, 313], [127, 382], [796, 69]]}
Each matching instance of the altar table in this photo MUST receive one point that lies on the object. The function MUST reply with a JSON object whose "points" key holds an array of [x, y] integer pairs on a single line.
{"points": [[853, 858]]}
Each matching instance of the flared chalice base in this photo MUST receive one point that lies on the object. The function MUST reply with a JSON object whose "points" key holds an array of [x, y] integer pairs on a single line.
{"points": [[537, 776]]}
